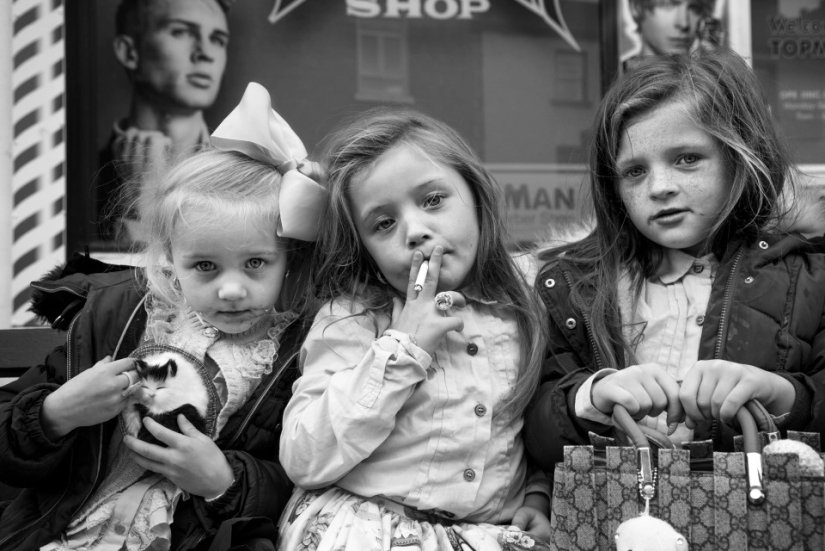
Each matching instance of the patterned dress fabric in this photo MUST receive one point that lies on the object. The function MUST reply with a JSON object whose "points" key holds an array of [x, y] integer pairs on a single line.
{"points": [[332, 519]]}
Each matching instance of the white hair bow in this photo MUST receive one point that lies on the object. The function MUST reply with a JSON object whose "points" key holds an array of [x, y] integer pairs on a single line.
{"points": [[255, 129]]}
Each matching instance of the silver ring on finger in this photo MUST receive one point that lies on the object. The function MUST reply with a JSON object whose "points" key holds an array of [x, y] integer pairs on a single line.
{"points": [[133, 383], [444, 301], [129, 378]]}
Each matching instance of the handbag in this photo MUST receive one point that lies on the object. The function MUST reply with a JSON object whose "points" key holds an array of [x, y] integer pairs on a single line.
{"points": [[742, 500]]}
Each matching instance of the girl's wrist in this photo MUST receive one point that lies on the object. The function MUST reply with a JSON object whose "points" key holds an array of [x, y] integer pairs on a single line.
{"points": [[54, 426], [226, 487], [220, 495]]}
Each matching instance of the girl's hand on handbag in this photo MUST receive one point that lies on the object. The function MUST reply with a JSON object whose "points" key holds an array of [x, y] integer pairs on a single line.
{"points": [[716, 389], [643, 390]]}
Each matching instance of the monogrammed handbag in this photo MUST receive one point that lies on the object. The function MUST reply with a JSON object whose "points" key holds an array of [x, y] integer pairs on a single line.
{"points": [[740, 501]]}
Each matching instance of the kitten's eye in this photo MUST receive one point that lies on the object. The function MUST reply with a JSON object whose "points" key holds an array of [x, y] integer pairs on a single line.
{"points": [[255, 263], [205, 266]]}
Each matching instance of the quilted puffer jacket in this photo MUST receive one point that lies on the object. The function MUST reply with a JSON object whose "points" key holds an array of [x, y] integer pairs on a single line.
{"points": [[766, 309], [101, 309]]}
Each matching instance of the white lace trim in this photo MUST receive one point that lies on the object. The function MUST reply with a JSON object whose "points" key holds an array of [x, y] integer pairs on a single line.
{"points": [[243, 358]]}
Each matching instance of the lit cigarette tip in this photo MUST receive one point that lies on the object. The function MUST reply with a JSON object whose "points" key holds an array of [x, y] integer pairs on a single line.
{"points": [[422, 275]]}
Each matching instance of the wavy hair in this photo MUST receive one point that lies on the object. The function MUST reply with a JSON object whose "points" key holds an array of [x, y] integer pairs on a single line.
{"points": [[345, 268], [725, 100], [225, 187]]}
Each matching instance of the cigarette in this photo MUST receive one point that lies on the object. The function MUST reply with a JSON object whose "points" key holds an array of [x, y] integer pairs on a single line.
{"points": [[422, 275]]}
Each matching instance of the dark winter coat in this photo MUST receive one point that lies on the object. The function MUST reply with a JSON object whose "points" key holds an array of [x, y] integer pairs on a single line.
{"points": [[766, 309], [103, 314]]}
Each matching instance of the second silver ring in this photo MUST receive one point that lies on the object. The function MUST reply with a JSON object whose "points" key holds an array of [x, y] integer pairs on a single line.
{"points": [[444, 301]]}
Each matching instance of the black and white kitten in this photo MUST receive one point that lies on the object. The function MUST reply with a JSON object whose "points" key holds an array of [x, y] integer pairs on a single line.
{"points": [[168, 384]]}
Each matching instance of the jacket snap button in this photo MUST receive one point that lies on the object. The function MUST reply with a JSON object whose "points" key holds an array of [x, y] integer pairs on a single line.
{"points": [[698, 268], [570, 323], [481, 410], [763, 245], [469, 475], [120, 529], [549, 283], [749, 279], [700, 320], [472, 349]]}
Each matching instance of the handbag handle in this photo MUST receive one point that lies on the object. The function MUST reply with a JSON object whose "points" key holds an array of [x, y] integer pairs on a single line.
{"points": [[752, 417]]}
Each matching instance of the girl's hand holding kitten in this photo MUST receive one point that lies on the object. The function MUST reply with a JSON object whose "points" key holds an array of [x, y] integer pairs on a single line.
{"points": [[192, 461], [716, 389], [643, 390], [93, 397], [419, 316]]}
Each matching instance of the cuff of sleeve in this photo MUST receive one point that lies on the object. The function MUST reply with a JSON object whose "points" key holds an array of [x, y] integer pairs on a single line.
{"points": [[230, 494], [800, 414], [408, 345], [584, 407], [536, 485], [31, 420]]}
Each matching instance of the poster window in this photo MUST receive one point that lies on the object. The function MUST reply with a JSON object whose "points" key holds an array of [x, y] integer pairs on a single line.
{"points": [[492, 69]]}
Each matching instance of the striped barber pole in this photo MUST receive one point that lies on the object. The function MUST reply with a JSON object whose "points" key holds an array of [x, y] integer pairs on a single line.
{"points": [[38, 148]]}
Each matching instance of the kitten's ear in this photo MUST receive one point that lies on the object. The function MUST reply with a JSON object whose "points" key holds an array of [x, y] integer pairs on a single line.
{"points": [[172, 366], [140, 367]]}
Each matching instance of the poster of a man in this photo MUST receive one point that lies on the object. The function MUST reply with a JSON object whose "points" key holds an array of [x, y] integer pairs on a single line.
{"points": [[174, 54], [656, 27]]}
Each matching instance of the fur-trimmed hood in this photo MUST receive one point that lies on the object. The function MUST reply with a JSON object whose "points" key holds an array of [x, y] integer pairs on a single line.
{"points": [[61, 293]]}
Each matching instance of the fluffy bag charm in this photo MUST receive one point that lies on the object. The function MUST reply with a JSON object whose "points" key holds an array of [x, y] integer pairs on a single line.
{"points": [[647, 533], [170, 382], [810, 462]]}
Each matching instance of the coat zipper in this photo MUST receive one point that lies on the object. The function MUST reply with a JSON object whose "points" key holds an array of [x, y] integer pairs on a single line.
{"points": [[599, 363], [260, 399], [723, 321], [246, 420], [723, 325], [100, 427], [69, 349]]}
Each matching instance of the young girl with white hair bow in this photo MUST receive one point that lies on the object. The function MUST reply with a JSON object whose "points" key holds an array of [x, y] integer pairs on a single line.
{"points": [[225, 287]]}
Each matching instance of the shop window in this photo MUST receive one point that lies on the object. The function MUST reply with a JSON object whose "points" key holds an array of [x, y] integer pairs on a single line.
{"points": [[383, 61], [570, 77]]}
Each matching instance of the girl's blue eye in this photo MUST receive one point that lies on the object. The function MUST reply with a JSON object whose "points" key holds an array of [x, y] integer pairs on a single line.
{"points": [[205, 266], [633, 172], [433, 200], [383, 225], [690, 158], [255, 263]]}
